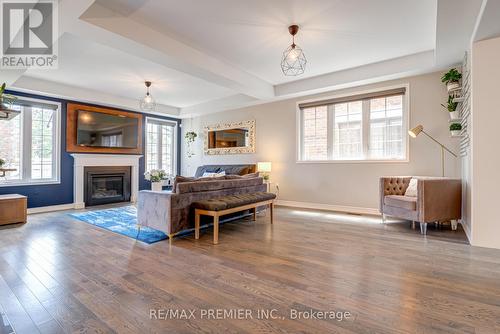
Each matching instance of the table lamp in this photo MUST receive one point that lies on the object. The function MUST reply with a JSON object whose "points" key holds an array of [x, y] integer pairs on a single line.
{"points": [[265, 169]]}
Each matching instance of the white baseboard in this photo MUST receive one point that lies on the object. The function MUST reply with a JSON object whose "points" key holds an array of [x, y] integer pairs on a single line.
{"points": [[329, 207], [79, 205], [61, 207], [467, 231], [51, 208]]}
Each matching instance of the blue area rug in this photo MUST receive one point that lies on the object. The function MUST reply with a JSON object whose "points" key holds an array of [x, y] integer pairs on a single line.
{"points": [[121, 220]]}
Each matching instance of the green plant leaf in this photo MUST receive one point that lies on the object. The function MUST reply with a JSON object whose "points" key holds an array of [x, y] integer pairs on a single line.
{"points": [[452, 75]]}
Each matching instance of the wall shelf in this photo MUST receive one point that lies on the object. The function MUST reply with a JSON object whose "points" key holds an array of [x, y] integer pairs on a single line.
{"points": [[455, 89]]}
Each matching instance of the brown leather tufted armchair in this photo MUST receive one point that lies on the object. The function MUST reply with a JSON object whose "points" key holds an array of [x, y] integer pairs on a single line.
{"points": [[438, 199]]}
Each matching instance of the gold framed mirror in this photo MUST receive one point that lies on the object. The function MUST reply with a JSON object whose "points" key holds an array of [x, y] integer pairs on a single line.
{"points": [[230, 138]]}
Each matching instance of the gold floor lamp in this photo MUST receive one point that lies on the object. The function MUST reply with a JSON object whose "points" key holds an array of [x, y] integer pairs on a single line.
{"points": [[420, 129]]}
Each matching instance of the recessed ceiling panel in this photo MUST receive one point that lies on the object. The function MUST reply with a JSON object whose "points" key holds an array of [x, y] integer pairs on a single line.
{"points": [[334, 34], [94, 66]]}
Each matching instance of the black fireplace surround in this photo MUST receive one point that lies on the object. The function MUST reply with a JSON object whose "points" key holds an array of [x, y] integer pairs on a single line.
{"points": [[105, 185]]}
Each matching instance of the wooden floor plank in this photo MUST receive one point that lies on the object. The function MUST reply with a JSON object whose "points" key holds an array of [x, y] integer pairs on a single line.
{"points": [[63, 275], [18, 317]]}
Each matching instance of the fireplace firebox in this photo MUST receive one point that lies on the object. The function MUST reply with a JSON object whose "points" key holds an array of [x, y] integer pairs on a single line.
{"points": [[105, 185]]}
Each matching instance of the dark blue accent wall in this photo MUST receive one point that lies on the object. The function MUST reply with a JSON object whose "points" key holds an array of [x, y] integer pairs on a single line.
{"points": [[62, 193]]}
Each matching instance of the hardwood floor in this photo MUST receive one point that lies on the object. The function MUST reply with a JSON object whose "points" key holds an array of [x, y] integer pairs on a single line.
{"points": [[58, 274]]}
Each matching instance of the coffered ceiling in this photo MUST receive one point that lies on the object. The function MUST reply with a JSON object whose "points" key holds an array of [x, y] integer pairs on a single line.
{"points": [[207, 56], [335, 35]]}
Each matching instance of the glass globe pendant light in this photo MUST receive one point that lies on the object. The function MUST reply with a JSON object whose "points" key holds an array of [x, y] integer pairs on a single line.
{"points": [[293, 61], [147, 103]]}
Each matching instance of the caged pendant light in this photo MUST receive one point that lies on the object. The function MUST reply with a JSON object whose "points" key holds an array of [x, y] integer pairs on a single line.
{"points": [[293, 61]]}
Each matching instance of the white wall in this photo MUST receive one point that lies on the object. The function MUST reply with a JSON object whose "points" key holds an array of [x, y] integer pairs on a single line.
{"points": [[338, 184], [485, 150]]}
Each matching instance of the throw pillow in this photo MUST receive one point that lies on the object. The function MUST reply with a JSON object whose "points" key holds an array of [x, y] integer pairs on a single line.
{"points": [[244, 171], [210, 174], [411, 191]]}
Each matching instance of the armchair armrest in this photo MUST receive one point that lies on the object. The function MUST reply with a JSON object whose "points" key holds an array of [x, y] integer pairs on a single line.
{"points": [[439, 199], [392, 185], [154, 210]]}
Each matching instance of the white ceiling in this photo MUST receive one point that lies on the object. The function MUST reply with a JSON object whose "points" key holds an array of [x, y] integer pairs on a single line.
{"points": [[208, 56], [334, 34], [98, 67]]}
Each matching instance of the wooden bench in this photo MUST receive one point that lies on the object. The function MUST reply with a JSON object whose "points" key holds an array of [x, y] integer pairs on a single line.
{"points": [[230, 204]]}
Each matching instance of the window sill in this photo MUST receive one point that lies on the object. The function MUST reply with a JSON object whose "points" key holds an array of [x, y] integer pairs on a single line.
{"points": [[22, 183], [394, 161]]}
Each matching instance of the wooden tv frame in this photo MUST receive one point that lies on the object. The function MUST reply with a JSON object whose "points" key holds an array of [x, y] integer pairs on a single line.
{"points": [[71, 130]]}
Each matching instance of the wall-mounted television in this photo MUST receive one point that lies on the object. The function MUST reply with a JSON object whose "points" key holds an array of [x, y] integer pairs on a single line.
{"points": [[96, 129]]}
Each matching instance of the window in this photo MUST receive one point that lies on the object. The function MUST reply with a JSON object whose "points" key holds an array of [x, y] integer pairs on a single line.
{"points": [[315, 133], [161, 139], [369, 126], [112, 140], [30, 143]]}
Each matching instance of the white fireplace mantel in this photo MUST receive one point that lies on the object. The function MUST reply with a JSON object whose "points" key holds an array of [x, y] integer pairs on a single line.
{"points": [[103, 160]]}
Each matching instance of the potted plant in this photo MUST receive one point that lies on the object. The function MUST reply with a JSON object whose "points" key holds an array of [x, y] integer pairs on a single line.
{"points": [[452, 79], [190, 137], [455, 129], [156, 177], [452, 108], [6, 101], [2, 162]]}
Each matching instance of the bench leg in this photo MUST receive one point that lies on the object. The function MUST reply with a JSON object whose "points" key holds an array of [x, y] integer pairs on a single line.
{"points": [[216, 229], [254, 214], [271, 211], [196, 225]]}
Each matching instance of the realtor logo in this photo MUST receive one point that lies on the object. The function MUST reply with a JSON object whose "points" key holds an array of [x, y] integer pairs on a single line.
{"points": [[28, 34]]}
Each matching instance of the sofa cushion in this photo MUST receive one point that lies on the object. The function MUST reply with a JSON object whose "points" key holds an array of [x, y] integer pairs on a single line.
{"points": [[179, 179], [403, 202], [246, 176], [216, 183], [229, 169], [250, 175], [232, 201]]}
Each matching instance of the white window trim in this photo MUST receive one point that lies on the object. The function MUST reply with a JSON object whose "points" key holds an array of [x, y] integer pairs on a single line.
{"points": [[176, 126], [57, 150], [298, 128]]}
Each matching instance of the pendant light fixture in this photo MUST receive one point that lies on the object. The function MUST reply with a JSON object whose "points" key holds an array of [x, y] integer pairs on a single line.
{"points": [[293, 61], [147, 103]]}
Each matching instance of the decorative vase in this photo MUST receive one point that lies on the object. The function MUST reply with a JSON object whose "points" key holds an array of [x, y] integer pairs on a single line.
{"points": [[455, 133], [451, 86], [156, 186], [454, 114]]}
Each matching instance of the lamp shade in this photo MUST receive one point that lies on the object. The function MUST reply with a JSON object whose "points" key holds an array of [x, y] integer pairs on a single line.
{"points": [[416, 131], [264, 167]]}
